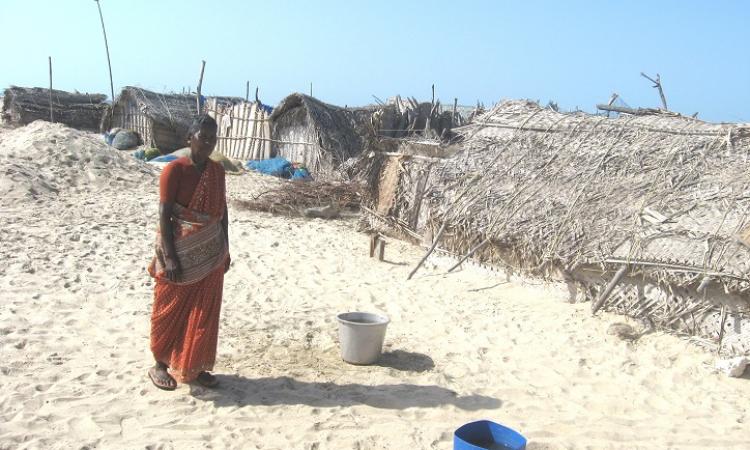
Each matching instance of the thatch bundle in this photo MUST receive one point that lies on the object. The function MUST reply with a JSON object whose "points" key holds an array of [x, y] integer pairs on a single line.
{"points": [[21, 106], [663, 195]]}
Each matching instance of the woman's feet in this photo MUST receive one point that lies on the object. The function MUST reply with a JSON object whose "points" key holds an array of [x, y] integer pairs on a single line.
{"points": [[161, 378], [207, 380]]}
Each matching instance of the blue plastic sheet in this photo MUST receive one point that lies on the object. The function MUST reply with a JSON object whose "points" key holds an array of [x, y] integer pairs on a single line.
{"points": [[165, 158], [278, 167]]}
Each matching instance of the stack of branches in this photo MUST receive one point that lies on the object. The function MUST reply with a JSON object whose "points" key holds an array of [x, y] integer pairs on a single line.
{"points": [[666, 192], [293, 197], [22, 106], [407, 117]]}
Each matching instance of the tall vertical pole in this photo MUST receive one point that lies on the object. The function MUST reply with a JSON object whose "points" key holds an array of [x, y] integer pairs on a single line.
{"points": [[311, 89], [247, 91], [109, 63], [453, 116], [51, 115], [200, 84]]}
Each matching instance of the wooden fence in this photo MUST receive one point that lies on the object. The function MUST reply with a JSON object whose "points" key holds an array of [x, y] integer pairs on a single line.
{"points": [[244, 129]]}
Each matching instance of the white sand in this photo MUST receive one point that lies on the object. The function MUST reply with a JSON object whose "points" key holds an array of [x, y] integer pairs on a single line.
{"points": [[74, 329]]}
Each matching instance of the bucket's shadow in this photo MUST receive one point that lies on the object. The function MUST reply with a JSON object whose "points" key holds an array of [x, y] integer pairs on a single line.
{"points": [[406, 361], [237, 391]]}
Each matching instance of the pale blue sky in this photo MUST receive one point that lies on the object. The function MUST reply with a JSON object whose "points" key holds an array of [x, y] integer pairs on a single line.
{"points": [[574, 52]]}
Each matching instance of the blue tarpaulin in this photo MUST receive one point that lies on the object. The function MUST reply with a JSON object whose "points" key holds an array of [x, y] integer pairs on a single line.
{"points": [[278, 167], [165, 158]]}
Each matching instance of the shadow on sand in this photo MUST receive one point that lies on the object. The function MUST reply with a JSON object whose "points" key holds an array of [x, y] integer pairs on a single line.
{"points": [[406, 361], [238, 391]]}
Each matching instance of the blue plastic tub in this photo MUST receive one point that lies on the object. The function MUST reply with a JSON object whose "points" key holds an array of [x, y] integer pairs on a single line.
{"points": [[487, 435]]}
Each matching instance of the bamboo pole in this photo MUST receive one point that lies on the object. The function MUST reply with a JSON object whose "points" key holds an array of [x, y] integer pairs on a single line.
{"points": [[608, 290], [200, 84], [469, 254], [109, 63], [432, 249], [51, 114], [453, 117], [247, 91]]}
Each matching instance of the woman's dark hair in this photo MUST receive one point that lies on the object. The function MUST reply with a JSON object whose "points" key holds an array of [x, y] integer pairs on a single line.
{"points": [[201, 121]]}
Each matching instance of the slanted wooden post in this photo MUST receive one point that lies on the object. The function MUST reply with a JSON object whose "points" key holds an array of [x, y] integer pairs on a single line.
{"points": [[657, 84], [608, 290], [200, 84], [51, 114], [256, 94]]}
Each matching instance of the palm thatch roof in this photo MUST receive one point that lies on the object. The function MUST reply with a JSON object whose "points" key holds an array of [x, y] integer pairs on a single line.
{"points": [[661, 189], [21, 106], [653, 196], [664, 190]]}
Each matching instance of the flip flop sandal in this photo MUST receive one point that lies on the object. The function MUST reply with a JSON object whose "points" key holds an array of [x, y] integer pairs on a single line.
{"points": [[163, 387], [210, 383]]}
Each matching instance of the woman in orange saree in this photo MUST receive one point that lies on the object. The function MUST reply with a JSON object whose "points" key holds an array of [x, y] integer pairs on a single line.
{"points": [[192, 255]]}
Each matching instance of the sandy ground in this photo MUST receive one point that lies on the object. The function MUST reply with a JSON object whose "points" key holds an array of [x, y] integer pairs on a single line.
{"points": [[74, 327]]}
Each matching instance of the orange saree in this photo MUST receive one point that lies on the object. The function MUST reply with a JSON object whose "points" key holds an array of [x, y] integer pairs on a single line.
{"points": [[185, 316]]}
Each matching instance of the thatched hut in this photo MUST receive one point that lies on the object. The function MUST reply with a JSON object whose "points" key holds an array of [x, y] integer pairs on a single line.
{"points": [[162, 120], [21, 106], [642, 214], [320, 135]]}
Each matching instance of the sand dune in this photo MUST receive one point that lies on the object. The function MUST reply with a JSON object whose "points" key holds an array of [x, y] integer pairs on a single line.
{"points": [[469, 345]]}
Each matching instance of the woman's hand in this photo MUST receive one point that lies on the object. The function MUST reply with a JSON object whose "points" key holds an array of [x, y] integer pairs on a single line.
{"points": [[171, 269]]}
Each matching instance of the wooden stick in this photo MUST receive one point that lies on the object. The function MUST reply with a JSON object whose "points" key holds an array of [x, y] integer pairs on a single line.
{"points": [[721, 326], [433, 95], [453, 117], [612, 99], [432, 249], [200, 84], [51, 115], [470, 254], [109, 63], [247, 91], [381, 250], [311, 89], [256, 94], [608, 290], [621, 109], [657, 84]]}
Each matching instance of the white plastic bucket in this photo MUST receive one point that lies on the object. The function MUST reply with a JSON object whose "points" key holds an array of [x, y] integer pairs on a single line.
{"points": [[361, 336]]}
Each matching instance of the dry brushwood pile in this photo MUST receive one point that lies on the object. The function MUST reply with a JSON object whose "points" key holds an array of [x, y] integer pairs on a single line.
{"points": [[662, 191], [293, 197]]}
